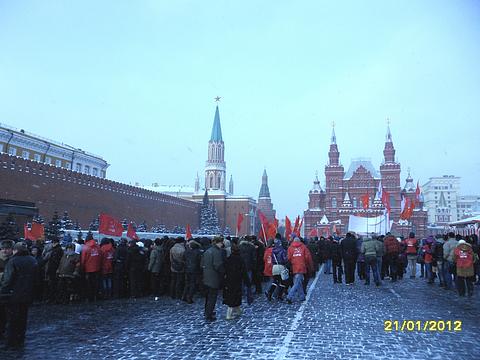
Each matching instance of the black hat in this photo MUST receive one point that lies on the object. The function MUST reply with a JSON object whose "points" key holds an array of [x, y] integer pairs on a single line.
{"points": [[6, 244]]}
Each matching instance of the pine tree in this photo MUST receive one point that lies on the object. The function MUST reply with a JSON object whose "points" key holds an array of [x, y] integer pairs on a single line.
{"points": [[9, 229], [67, 223], [142, 227], [208, 218], [53, 231], [227, 231], [159, 229], [95, 224], [38, 219]]}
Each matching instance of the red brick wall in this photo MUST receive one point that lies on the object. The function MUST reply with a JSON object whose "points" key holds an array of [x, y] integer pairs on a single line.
{"points": [[85, 196]]}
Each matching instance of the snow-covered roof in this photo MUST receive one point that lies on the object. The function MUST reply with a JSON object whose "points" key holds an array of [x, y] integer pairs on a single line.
{"points": [[364, 162], [324, 220], [171, 189], [471, 220]]}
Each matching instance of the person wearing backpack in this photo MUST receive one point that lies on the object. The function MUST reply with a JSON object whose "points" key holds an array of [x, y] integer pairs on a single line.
{"points": [[464, 259], [437, 251], [392, 250], [448, 263], [411, 245]]}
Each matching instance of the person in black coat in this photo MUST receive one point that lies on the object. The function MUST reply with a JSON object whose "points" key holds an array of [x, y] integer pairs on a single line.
{"points": [[18, 285], [349, 252], [52, 258], [235, 274], [136, 265], [120, 269], [193, 258], [336, 253]]}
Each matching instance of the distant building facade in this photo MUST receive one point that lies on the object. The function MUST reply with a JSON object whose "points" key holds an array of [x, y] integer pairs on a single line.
{"points": [[329, 209], [36, 148]]}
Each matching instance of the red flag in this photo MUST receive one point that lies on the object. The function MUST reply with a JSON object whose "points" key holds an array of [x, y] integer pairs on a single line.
{"points": [[272, 231], [417, 192], [410, 209], [335, 230], [297, 221], [188, 233], [406, 209], [239, 222], [110, 226], [263, 218], [386, 200], [365, 201], [299, 228], [131, 233], [313, 233], [275, 222], [27, 235], [38, 231], [288, 228]]}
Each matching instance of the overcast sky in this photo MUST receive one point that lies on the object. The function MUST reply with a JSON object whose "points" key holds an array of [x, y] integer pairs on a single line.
{"points": [[134, 82]]}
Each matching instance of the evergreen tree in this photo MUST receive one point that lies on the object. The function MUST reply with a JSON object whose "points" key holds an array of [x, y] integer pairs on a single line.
{"points": [[9, 229], [142, 227], [227, 231], [54, 228], [95, 224], [38, 219], [208, 218], [67, 223], [178, 230], [159, 228]]}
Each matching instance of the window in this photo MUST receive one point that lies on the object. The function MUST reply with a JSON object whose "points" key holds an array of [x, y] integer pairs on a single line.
{"points": [[354, 201], [103, 173], [1, 147], [78, 167], [48, 160], [87, 169], [95, 172], [58, 163], [12, 151], [334, 202], [67, 165], [25, 154], [37, 157]]}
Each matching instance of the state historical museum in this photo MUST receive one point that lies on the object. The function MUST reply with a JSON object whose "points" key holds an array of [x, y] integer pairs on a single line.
{"points": [[329, 210]]}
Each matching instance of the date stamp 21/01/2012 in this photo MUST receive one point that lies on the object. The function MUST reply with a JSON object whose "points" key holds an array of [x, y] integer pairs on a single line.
{"points": [[422, 325]]}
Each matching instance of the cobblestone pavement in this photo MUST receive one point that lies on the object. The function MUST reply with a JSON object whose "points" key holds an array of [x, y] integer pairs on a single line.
{"points": [[335, 322]]}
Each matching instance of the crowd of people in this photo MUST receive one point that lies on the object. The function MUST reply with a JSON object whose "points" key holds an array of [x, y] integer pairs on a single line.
{"points": [[201, 267]]}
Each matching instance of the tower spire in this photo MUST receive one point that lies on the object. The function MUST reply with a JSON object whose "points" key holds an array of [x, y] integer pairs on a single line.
{"points": [[389, 134], [264, 190], [216, 129], [334, 137]]}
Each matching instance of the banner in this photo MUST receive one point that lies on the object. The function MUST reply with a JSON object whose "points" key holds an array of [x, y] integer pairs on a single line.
{"points": [[110, 226], [379, 225]]}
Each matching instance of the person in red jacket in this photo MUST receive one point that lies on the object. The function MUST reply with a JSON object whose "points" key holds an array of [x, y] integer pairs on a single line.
{"points": [[301, 262], [392, 251], [411, 245], [108, 253], [91, 263]]}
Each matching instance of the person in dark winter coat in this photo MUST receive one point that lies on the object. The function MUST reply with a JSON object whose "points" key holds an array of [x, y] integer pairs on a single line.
{"points": [[68, 271], [248, 252], [120, 270], [336, 253], [52, 257], [235, 274], [348, 247], [177, 268], [6, 252], [18, 281], [136, 264], [279, 261], [155, 266], [193, 258], [213, 265]]}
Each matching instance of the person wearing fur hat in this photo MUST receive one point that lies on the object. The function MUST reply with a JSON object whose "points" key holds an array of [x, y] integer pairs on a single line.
{"points": [[18, 282], [177, 268], [213, 265], [193, 258], [464, 259]]}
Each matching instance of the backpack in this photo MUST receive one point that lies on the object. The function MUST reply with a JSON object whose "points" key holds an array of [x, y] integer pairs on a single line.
{"points": [[464, 258]]}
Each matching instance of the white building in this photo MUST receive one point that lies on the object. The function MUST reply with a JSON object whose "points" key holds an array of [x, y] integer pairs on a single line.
{"points": [[468, 205], [33, 147], [449, 185]]}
